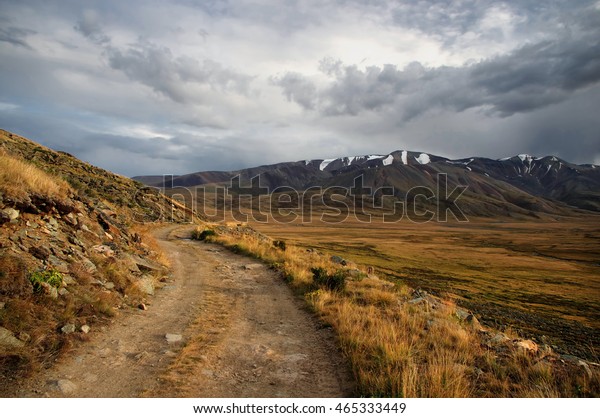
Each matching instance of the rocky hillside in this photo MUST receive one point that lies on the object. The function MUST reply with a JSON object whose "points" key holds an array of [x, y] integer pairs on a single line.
{"points": [[73, 251]]}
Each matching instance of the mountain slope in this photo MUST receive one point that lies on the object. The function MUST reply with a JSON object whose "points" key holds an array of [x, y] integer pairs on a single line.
{"points": [[517, 185], [72, 253]]}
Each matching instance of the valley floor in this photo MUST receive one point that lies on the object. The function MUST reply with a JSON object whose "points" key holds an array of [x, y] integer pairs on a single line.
{"points": [[221, 326]]}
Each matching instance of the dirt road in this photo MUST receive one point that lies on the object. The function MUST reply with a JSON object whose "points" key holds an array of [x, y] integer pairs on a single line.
{"points": [[243, 334]]}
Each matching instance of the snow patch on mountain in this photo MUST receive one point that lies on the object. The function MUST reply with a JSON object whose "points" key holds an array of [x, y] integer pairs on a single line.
{"points": [[423, 159], [325, 163], [405, 157], [388, 160]]}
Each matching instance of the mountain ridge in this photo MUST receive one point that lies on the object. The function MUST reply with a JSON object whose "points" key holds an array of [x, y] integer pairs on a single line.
{"points": [[521, 183]]}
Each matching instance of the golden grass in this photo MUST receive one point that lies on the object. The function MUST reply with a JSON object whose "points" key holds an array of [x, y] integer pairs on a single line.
{"points": [[19, 178], [397, 348], [145, 232]]}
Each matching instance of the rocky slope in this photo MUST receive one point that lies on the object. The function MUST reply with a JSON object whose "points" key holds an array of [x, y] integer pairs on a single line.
{"points": [[72, 251]]}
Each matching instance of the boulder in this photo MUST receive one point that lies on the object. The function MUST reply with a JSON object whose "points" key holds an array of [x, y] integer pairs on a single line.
{"points": [[145, 285], [85, 329], [104, 250], [8, 215], [499, 338], [40, 252], [58, 264], [8, 341], [88, 265], [173, 338], [68, 329], [66, 386], [338, 260], [49, 290], [527, 345], [146, 265]]}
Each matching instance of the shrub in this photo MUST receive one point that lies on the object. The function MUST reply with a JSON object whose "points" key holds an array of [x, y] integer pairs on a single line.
{"points": [[13, 277], [202, 235], [52, 277], [279, 244], [336, 281]]}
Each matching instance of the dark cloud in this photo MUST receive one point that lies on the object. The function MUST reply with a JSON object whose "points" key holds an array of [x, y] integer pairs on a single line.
{"points": [[188, 85], [530, 78], [297, 88], [15, 36], [156, 67], [89, 26]]}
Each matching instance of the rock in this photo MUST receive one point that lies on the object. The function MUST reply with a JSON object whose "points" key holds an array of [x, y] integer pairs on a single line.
{"points": [[498, 339], [473, 321], [75, 241], [49, 290], [417, 300], [58, 264], [2, 305], [85, 228], [66, 386], [68, 329], [68, 280], [145, 285], [109, 285], [173, 338], [71, 219], [146, 265], [9, 214], [130, 264], [52, 223], [338, 260], [41, 252], [461, 314], [8, 341], [104, 250], [88, 265], [586, 367], [62, 291], [142, 306], [527, 345], [252, 266], [85, 329]]}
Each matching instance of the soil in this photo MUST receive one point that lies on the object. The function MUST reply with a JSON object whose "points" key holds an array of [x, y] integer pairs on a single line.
{"points": [[243, 334]]}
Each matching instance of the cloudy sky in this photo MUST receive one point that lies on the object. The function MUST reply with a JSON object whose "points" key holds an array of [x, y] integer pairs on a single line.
{"points": [[156, 87]]}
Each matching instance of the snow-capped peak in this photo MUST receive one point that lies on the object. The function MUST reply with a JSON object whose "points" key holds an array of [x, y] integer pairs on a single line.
{"points": [[347, 161], [526, 157]]}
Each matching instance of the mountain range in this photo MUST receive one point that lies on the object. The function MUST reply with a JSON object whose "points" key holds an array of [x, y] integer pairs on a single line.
{"points": [[519, 185]]}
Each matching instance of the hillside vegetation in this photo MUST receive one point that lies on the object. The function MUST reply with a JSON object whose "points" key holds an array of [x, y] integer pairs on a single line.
{"points": [[409, 343], [73, 252]]}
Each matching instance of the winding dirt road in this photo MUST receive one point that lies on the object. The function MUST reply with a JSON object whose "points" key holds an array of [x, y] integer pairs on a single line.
{"points": [[243, 334]]}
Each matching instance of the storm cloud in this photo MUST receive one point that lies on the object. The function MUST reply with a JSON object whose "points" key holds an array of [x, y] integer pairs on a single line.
{"points": [[174, 87]]}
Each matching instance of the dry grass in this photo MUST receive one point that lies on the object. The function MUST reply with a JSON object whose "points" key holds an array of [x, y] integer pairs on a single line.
{"points": [[397, 348], [18, 179], [150, 243]]}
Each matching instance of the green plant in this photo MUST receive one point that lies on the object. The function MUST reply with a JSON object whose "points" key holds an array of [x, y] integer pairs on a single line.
{"points": [[52, 277], [335, 281]]}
